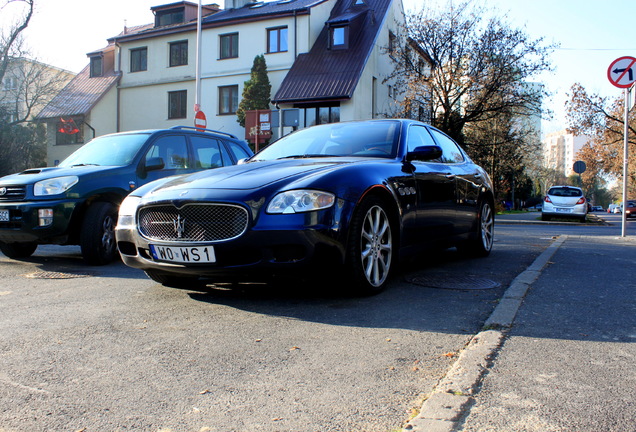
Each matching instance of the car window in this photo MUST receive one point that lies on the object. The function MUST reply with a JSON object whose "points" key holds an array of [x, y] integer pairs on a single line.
{"points": [[207, 153], [451, 152], [172, 149], [565, 192], [239, 152], [418, 136]]}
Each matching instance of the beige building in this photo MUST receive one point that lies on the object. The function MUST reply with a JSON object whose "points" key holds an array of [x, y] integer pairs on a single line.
{"points": [[325, 58], [27, 86], [560, 149]]}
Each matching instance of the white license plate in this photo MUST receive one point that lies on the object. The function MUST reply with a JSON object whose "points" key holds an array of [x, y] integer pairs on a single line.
{"points": [[4, 215], [563, 210], [183, 254]]}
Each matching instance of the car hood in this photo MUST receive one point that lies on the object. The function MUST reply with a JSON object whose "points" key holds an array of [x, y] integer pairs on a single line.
{"points": [[34, 175], [251, 175]]}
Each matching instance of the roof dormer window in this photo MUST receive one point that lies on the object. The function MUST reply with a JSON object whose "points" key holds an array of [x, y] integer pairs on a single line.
{"points": [[169, 17], [339, 37], [97, 66]]}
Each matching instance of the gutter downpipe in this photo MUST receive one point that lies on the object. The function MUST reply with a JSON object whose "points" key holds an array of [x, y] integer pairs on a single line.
{"points": [[118, 94]]}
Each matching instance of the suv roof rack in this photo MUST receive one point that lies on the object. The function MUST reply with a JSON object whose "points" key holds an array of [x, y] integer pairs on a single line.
{"points": [[206, 130]]}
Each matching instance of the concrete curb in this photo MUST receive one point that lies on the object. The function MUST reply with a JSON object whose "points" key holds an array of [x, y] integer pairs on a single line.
{"points": [[452, 397]]}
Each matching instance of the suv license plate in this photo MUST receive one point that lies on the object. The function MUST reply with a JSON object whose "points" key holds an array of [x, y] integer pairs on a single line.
{"points": [[183, 254], [4, 215]]}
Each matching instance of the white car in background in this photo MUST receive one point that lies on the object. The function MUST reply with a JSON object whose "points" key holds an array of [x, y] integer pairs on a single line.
{"points": [[564, 202]]}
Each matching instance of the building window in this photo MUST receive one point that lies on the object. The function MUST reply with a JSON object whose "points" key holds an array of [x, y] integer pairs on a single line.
{"points": [[178, 53], [229, 46], [339, 37], [97, 67], [228, 99], [322, 115], [68, 132], [174, 16], [178, 104], [138, 59], [277, 40], [392, 42], [9, 83]]}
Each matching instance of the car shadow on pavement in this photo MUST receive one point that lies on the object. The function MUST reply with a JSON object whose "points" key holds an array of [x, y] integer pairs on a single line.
{"points": [[407, 303]]}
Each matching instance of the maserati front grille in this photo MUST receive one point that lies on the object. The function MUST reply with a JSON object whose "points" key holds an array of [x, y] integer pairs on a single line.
{"points": [[193, 222]]}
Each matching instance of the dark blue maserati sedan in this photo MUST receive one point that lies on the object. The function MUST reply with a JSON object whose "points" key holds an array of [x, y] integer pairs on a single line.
{"points": [[341, 202]]}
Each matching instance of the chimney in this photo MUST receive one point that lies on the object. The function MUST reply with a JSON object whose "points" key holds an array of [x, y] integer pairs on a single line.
{"points": [[236, 4]]}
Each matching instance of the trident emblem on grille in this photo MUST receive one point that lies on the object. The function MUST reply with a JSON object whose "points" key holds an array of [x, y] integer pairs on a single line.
{"points": [[179, 226]]}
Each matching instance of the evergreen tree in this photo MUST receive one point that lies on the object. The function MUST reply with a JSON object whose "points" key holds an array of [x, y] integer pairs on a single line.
{"points": [[257, 90]]}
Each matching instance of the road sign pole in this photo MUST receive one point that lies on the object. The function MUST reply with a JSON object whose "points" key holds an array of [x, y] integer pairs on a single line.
{"points": [[625, 155]]}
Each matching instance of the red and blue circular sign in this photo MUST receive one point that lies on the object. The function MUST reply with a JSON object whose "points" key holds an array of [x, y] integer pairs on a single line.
{"points": [[622, 72]]}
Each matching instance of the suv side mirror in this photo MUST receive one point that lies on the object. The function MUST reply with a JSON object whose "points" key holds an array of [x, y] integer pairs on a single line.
{"points": [[154, 163], [425, 153]]}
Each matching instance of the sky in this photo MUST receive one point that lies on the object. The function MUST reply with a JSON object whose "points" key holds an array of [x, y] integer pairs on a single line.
{"points": [[591, 35]]}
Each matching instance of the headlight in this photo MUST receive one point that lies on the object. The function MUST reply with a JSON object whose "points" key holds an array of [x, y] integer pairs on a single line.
{"points": [[298, 201], [54, 186], [127, 211]]}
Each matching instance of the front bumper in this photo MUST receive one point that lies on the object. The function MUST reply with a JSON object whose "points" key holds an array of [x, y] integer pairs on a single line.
{"points": [[24, 225], [257, 252]]}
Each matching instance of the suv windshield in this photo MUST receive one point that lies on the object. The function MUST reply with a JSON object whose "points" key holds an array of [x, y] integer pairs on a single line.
{"points": [[370, 139], [108, 150]]}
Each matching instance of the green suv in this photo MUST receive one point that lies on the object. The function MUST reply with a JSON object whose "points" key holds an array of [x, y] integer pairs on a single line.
{"points": [[76, 203]]}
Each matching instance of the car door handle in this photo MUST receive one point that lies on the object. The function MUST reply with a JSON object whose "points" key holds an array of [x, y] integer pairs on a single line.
{"points": [[449, 176], [477, 175]]}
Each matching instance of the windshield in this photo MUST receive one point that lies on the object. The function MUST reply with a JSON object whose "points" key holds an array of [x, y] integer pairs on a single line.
{"points": [[367, 139], [109, 150]]}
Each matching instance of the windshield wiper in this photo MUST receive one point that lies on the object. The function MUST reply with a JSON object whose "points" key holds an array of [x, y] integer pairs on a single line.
{"points": [[307, 156], [85, 164]]}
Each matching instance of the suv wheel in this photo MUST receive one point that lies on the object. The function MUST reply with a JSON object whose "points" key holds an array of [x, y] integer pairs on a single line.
{"points": [[18, 250], [97, 238]]}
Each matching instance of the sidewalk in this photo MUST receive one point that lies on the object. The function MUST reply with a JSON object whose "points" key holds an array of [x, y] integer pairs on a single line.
{"points": [[557, 354]]}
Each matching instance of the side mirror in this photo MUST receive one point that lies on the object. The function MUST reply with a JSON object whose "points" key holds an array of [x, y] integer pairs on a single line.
{"points": [[155, 163], [425, 153]]}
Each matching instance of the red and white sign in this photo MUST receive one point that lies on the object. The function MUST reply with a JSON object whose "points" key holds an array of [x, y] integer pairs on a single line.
{"points": [[622, 72], [200, 122]]}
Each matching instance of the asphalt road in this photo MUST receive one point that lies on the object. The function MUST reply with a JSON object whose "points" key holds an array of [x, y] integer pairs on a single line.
{"points": [[106, 349]]}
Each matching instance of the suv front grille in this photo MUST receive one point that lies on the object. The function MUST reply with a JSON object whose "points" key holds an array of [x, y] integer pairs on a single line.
{"points": [[193, 222], [12, 193]]}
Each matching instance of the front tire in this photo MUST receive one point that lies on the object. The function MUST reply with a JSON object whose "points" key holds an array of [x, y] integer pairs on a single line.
{"points": [[18, 250], [97, 238], [481, 244], [371, 247]]}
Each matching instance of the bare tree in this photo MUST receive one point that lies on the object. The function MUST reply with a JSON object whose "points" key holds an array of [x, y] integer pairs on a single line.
{"points": [[11, 39], [472, 72], [26, 86], [602, 119]]}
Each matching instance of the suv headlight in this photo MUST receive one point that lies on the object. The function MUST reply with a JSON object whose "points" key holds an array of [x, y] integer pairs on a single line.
{"points": [[298, 201], [54, 186], [127, 211]]}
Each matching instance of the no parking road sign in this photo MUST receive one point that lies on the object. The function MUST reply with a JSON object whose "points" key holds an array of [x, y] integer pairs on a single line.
{"points": [[622, 72]]}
